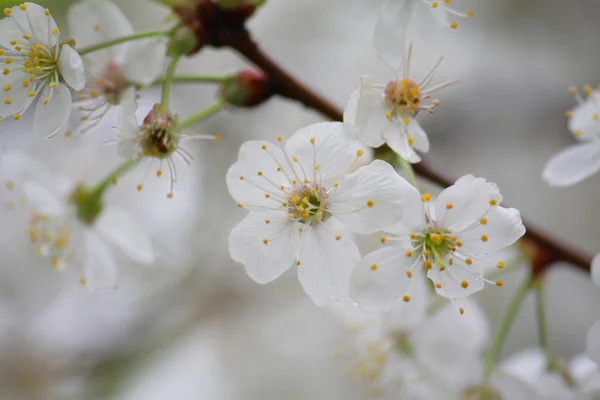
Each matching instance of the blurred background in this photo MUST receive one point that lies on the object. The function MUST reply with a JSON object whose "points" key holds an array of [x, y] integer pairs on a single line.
{"points": [[195, 326]]}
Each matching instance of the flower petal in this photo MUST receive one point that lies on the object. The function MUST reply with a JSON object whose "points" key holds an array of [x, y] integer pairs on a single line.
{"points": [[36, 24], [396, 136], [391, 30], [127, 125], [71, 67], [465, 202], [52, 111], [431, 23], [458, 280], [145, 60], [371, 114], [596, 270], [43, 200], [413, 221], [264, 263], [94, 21], [18, 168], [351, 108], [370, 199], [503, 227], [100, 269], [380, 278], [326, 263], [510, 387], [333, 151], [584, 124], [123, 231], [19, 99], [408, 315], [593, 343], [255, 179], [420, 139], [573, 164]]}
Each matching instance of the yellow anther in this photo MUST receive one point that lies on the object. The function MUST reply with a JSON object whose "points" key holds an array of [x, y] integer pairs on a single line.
{"points": [[587, 90], [426, 197], [10, 185], [278, 169], [428, 264], [435, 102], [25, 83], [170, 196], [499, 282], [47, 12], [577, 133], [55, 31], [317, 166], [427, 253], [18, 48], [451, 261], [438, 285], [500, 264], [264, 147], [7, 12], [306, 181], [239, 205], [468, 261], [52, 85], [267, 195], [298, 262], [461, 310], [449, 206], [12, 43], [383, 239], [435, 4], [5, 71], [406, 299], [16, 117], [569, 114], [572, 90], [454, 25], [442, 268], [469, 15], [413, 236], [464, 284], [295, 159], [96, 28], [7, 101], [265, 241], [359, 153], [241, 177], [596, 117], [139, 187], [373, 267], [483, 221], [410, 140], [259, 173], [7, 88], [388, 115], [22, 7], [406, 121], [409, 273], [115, 181], [484, 238], [370, 203], [493, 202], [408, 253], [279, 139], [46, 100], [83, 281], [8, 60], [217, 137], [26, 36], [304, 214], [338, 237], [312, 140], [30, 94]]}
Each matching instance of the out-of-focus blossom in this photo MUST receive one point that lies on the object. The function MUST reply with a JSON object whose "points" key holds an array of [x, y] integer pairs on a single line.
{"points": [[156, 139], [302, 198], [65, 232], [449, 240], [593, 338], [34, 64], [432, 20], [110, 71], [582, 160], [386, 113]]}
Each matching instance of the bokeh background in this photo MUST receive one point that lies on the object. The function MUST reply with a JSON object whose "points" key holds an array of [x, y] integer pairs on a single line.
{"points": [[195, 326]]}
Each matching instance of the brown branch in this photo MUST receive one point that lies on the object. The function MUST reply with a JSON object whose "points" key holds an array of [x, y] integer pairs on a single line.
{"points": [[287, 86]]}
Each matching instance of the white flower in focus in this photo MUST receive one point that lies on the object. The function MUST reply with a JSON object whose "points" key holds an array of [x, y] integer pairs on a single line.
{"points": [[582, 160], [35, 64], [593, 338], [65, 233], [386, 113], [155, 140], [449, 240], [302, 198], [432, 21], [110, 71]]}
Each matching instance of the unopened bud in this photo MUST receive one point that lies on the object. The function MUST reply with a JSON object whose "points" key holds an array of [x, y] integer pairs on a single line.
{"points": [[248, 88], [184, 41], [231, 4]]}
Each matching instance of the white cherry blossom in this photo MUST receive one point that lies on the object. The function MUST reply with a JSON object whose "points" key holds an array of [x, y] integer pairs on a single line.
{"points": [[386, 113], [302, 197], [110, 71], [61, 235], [433, 19], [156, 140], [593, 338], [34, 64], [449, 239], [582, 160]]}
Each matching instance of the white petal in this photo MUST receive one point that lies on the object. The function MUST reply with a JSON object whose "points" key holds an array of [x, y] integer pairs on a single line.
{"points": [[43, 200], [593, 343], [573, 164], [396, 136], [351, 108], [127, 125], [421, 141], [414, 220], [380, 278], [51, 117], [145, 60], [19, 168], [122, 230], [391, 30], [596, 270], [264, 263], [71, 67], [370, 118], [408, 315], [36, 24], [370, 199], [245, 184], [326, 263], [510, 387], [100, 269], [431, 23], [503, 228], [9, 31], [583, 124], [334, 151], [94, 21], [470, 199], [18, 94], [457, 281]]}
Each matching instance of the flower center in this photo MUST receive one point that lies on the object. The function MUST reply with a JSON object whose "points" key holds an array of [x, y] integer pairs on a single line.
{"points": [[158, 136], [112, 83], [435, 244], [405, 94], [308, 204], [51, 239], [40, 63]]}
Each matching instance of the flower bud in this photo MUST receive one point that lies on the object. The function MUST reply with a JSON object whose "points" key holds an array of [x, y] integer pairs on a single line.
{"points": [[481, 393], [184, 41], [248, 88]]}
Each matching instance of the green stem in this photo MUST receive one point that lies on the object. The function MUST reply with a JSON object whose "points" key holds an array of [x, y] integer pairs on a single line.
{"points": [[207, 112], [509, 317], [117, 173], [195, 79], [551, 363], [408, 171], [166, 89], [114, 42]]}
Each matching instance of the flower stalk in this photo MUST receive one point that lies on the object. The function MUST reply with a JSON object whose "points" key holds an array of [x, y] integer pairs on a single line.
{"points": [[542, 326], [168, 82], [110, 43], [207, 112]]}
